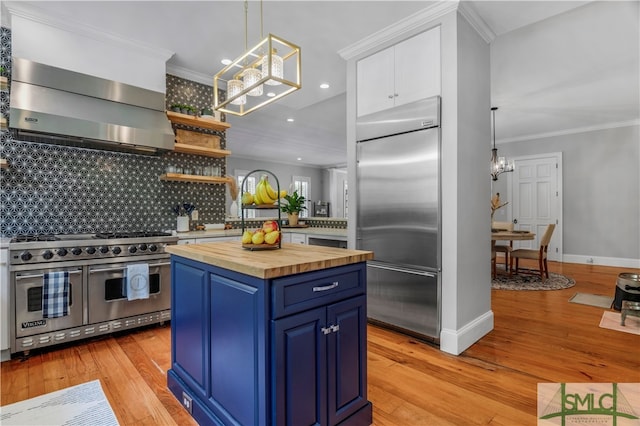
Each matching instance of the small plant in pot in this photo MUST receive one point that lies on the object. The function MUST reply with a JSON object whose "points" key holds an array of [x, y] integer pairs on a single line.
{"points": [[295, 204], [176, 107]]}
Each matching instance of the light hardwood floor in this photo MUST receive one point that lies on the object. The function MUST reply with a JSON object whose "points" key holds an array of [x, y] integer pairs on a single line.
{"points": [[538, 337]]}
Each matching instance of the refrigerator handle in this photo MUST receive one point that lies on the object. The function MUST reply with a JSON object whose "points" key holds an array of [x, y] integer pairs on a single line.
{"points": [[400, 269]]}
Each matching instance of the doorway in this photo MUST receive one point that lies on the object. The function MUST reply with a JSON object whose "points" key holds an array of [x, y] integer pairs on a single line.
{"points": [[536, 190]]}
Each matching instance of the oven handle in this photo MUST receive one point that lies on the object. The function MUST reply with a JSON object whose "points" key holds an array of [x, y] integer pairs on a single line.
{"points": [[122, 268], [22, 277]]}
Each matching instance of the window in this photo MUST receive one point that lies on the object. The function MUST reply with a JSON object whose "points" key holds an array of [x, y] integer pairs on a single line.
{"points": [[302, 184], [250, 186]]}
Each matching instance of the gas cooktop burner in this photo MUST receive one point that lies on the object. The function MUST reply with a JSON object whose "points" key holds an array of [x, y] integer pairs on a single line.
{"points": [[141, 234], [30, 238]]}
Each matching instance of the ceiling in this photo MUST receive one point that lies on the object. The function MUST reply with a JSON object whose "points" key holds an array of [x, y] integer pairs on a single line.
{"points": [[202, 33]]}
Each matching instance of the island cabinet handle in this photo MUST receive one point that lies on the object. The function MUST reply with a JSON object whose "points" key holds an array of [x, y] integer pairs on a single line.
{"points": [[330, 329], [326, 287]]}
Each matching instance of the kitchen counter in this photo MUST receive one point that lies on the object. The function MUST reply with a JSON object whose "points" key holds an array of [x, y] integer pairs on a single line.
{"points": [[290, 259], [334, 232], [270, 337]]}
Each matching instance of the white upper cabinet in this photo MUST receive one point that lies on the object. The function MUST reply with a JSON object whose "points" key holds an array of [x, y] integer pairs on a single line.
{"points": [[403, 73]]}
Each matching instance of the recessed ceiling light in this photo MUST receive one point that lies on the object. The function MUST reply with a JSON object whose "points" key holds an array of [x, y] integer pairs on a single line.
{"points": [[299, 158], [226, 61], [324, 86], [290, 120], [271, 94]]}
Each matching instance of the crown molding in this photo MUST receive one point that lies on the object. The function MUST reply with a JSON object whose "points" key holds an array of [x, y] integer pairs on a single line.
{"points": [[469, 12], [604, 126], [188, 74], [401, 27], [36, 14]]}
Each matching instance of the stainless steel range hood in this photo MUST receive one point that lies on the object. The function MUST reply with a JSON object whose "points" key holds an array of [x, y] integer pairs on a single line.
{"points": [[70, 108]]}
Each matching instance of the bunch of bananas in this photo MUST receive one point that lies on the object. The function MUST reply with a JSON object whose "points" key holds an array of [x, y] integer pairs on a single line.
{"points": [[265, 194]]}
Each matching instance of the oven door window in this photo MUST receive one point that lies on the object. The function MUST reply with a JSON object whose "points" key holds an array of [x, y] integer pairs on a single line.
{"points": [[114, 287], [34, 298]]}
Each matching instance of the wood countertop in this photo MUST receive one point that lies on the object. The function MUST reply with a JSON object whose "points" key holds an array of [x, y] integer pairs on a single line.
{"points": [[290, 259]]}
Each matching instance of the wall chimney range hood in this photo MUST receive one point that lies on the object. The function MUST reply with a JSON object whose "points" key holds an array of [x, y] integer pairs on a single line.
{"points": [[69, 108]]}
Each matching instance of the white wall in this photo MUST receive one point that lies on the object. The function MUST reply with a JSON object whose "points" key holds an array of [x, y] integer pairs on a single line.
{"points": [[51, 41]]}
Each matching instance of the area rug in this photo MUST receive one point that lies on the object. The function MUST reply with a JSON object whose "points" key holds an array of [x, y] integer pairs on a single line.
{"points": [[532, 282], [611, 320], [84, 404], [592, 300]]}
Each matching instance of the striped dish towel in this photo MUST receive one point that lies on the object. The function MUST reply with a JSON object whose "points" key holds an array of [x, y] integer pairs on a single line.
{"points": [[55, 294]]}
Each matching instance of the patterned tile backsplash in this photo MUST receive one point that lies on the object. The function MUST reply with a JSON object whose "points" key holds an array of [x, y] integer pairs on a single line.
{"points": [[61, 189]]}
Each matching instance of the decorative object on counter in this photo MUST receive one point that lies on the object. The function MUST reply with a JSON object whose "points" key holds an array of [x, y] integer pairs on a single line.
{"points": [[265, 197], [495, 204], [183, 213], [295, 204], [265, 64], [233, 193], [498, 165]]}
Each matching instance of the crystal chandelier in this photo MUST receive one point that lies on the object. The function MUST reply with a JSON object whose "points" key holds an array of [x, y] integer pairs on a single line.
{"points": [[263, 74], [498, 165]]}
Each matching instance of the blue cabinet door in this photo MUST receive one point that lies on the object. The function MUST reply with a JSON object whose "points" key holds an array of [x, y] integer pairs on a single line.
{"points": [[347, 358], [190, 326], [299, 369]]}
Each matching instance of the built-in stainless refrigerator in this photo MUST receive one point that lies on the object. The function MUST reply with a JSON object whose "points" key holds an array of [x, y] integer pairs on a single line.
{"points": [[398, 215]]}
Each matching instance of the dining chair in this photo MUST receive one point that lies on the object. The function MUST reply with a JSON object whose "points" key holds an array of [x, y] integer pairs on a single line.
{"points": [[504, 248], [540, 255], [494, 271]]}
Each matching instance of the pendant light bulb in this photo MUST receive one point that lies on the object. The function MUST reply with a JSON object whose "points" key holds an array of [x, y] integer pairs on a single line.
{"points": [[251, 76], [277, 68], [234, 87]]}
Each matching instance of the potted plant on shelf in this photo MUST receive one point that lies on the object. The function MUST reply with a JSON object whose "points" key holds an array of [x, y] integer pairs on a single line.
{"points": [[176, 107], [295, 204]]}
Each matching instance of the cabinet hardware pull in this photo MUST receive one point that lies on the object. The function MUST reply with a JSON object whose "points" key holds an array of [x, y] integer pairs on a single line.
{"points": [[326, 287], [325, 330], [335, 328]]}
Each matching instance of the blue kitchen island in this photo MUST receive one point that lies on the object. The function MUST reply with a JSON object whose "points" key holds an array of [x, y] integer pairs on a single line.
{"points": [[270, 337]]}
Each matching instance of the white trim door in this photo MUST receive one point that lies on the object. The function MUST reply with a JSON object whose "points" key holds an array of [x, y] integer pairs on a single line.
{"points": [[536, 190]]}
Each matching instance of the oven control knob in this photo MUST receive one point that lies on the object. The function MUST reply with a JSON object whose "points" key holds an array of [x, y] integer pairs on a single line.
{"points": [[76, 251], [103, 249], [133, 249], [142, 247], [47, 254], [91, 250], [25, 256], [153, 247], [61, 252], [116, 250]]}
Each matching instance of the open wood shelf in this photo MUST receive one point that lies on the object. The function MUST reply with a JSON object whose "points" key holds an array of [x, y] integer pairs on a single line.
{"points": [[201, 122], [200, 150], [178, 177], [4, 164], [3, 123], [4, 83]]}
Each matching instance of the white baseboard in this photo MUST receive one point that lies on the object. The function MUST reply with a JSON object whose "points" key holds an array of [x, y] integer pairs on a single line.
{"points": [[456, 341], [603, 261]]}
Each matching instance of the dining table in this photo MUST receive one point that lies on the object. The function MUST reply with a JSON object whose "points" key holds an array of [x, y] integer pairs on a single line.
{"points": [[504, 235]]}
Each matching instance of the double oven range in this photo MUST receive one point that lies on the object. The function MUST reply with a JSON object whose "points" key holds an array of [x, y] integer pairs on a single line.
{"points": [[96, 266]]}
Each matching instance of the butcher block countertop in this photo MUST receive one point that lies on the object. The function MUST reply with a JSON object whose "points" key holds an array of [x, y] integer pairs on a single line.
{"points": [[290, 259]]}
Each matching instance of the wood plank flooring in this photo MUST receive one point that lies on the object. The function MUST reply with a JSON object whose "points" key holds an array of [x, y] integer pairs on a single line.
{"points": [[538, 337]]}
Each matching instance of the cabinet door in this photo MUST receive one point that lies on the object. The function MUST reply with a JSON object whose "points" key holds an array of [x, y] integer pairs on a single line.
{"points": [[417, 67], [298, 238], [374, 82], [300, 369], [347, 358], [190, 325]]}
